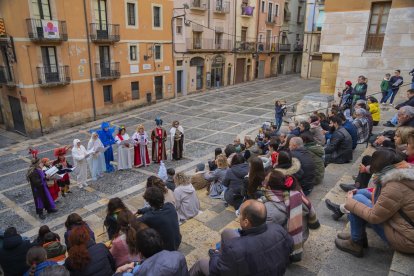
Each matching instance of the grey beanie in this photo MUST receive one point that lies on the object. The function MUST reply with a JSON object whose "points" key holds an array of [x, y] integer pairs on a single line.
{"points": [[200, 167]]}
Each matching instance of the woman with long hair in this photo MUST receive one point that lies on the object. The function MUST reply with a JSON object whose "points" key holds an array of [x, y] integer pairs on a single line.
{"points": [[217, 176], [85, 257], [36, 258], [234, 179], [115, 205], [256, 177], [289, 165], [125, 238], [73, 221], [187, 203], [388, 208], [288, 206], [43, 230]]}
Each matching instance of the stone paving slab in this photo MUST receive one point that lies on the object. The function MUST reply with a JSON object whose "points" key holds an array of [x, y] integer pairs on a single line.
{"points": [[11, 180]]}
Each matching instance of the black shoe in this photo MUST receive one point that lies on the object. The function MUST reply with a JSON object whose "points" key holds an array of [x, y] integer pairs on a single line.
{"points": [[334, 208], [388, 124], [212, 252], [42, 216], [347, 187], [52, 211]]}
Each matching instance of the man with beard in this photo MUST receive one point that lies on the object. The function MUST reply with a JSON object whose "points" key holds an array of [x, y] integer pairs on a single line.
{"points": [[339, 149]]}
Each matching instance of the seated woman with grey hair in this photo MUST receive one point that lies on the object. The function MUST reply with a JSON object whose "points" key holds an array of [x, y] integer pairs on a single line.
{"points": [[362, 125]]}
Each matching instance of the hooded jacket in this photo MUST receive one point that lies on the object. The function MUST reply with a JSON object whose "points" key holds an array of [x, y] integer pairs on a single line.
{"points": [[13, 255], [186, 201], [55, 251], [235, 176], [308, 179], [397, 193], [375, 111], [40, 267], [317, 154], [294, 170]]}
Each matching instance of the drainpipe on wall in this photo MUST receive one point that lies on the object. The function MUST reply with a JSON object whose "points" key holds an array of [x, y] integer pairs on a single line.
{"points": [[174, 51], [311, 38], [89, 59], [235, 38]]}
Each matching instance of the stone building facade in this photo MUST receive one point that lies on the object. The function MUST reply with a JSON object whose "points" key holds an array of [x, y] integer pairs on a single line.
{"points": [[369, 38]]}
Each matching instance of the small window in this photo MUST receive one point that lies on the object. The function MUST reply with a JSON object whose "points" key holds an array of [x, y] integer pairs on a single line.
{"points": [[157, 17], [276, 10], [133, 53], [263, 6], [157, 52], [107, 93], [377, 26], [131, 14], [179, 26], [179, 63], [135, 90]]}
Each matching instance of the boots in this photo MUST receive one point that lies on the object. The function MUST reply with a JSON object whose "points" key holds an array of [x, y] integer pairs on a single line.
{"points": [[337, 214], [42, 216], [347, 236], [350, 246]]}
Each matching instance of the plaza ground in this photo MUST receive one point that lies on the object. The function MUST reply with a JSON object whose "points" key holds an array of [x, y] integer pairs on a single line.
{"points": [[211, 119]]}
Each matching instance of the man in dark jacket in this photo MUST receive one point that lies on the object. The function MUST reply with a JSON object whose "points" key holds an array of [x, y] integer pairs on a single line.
{"points": [[234, 179], [410, 102], [161, 217], [317, 152], [350, 128], [308, 166], [257, 249], [339, 149], [394, 85], [13, 253]]}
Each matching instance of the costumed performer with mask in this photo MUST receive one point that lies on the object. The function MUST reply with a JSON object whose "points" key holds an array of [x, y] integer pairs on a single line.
{"points": [[96, 160], [80, 156], [177, 141], [158, 138], [141, 156], [61, 163], [41, 194], [106, 136], [124, 149]]}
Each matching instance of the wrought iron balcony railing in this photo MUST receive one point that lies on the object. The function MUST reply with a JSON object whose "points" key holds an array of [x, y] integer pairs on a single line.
{"points": [[222, 6], [53, 75], [104, 33], [7, 76], [107, 70], [199, 45], [245, 46], [46, 30], [284, 47]]}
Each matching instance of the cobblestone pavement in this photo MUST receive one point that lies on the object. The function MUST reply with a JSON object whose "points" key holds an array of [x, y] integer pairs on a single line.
{"points": [[210, 119]]}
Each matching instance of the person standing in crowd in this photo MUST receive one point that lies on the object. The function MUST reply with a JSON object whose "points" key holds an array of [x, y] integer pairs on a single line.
{"points": [[115, 206], [41, 194], [374, 109], [85, 257], [141, 156], [161, 217], [97, 159], [258, 248], [339, 149], [360, 89], [37, 260], [395, 82], [158, 138], [124, 149], [51, 184], [106, 136], [80, 155], [72, 222], [177, 141], [280, 110], [186, 200], [385, 85], [61, 163], [13, 253], [346, 93]]}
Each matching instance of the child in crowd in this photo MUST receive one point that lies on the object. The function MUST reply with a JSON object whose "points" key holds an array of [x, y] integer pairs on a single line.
{"points": [[385, 86], [260, 136], [170, 179], [186, 200], [374, 109], [280, 111]]}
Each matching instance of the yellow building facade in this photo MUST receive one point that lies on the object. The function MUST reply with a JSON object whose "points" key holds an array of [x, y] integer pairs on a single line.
{"points": [[67, 62]]}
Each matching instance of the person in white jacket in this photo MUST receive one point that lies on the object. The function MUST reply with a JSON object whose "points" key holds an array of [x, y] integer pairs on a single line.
{"points": [[186, 200], [80, 155], [124, 149]]}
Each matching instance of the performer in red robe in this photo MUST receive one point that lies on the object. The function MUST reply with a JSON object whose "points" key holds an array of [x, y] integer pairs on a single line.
{"points": [[51, 184], [158, 138], [62, 163], [141, 156]]}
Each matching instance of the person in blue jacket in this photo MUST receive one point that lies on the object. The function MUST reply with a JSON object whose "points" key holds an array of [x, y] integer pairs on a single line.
{"points": [[280, 110], [106, 136]]}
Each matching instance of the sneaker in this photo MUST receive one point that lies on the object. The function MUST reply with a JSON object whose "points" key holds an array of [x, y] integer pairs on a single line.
{"points": [[351, 247], [388, 124], [347, 236], [347, 187], [337, 214]]}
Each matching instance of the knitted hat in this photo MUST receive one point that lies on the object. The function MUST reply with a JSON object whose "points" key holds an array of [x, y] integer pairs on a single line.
{"points": [[200, 167], [349, 83]]}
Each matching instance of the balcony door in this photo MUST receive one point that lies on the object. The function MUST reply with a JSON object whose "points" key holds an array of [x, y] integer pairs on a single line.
{"points": [[105, 61], [50, 64], [270, 13], [41, 11], [268, 39], [101, 19]]}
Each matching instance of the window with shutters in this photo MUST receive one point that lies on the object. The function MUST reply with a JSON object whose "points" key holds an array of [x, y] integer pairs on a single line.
{"points": [[135, 90], [156, 17], [133, 56], [107, 93], [377, 25], [131, 14], [158, 52], [179, 26]]}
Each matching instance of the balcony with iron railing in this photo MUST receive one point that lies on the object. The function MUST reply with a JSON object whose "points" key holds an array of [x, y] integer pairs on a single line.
{"points": [[267, 47], [284, 47], [200, 5], [107, 70], [271, 19], [104, 33], [40, 30], [208, 45], [298, 48], [287, 16], [245, 46], [247, 11], [49, 76], [7, 76], [222, 7]]}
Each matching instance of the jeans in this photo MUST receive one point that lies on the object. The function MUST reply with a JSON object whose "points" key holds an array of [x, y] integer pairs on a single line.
{"points": [[278, 122], [412, 84], [394, 120], [390, 94], [358, 224], [384, 95]]}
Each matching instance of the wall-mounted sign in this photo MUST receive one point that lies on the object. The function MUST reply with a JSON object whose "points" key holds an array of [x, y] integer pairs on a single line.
{"points": [[166, 68], [50, 28], [146, 66], [81, 70], [83, 61], [134, 69]]}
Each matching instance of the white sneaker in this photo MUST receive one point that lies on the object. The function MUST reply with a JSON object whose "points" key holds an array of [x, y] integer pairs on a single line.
{"points": [[80, 186]]}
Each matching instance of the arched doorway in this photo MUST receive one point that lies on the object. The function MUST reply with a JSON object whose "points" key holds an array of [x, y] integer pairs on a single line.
{"points": [[217, 71], [197, 71]]}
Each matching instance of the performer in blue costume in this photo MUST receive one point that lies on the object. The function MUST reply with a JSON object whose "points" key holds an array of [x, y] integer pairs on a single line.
{"points": [[107, 139]]}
